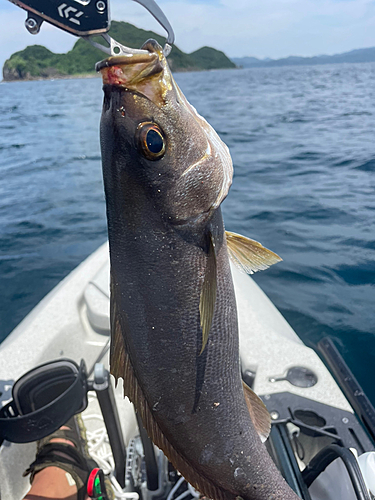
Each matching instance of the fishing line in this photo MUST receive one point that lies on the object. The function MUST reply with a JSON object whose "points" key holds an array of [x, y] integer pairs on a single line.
{"points": [[99, 358]]}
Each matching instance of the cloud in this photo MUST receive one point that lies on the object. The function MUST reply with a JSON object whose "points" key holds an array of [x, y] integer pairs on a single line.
{"points": [[15, 37], [270, 28], [267, 28], [274, 28]]}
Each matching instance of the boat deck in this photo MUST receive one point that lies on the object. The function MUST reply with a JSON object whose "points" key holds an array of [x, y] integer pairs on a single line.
{"points": [[72, 321]]}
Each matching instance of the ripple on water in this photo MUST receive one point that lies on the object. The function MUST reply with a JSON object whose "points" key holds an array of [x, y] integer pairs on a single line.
{"points": [[368, 166]]}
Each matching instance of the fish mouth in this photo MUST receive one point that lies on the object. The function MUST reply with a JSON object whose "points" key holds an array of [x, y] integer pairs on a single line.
{"points": [[125, 64], [147, 73]]}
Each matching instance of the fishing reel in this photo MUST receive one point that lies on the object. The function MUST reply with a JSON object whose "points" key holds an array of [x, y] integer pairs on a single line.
{"points": [[86, 18], [79, 17]]}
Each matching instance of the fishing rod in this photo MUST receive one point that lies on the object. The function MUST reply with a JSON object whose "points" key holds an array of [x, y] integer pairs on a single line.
{"points": [[86, 18]]}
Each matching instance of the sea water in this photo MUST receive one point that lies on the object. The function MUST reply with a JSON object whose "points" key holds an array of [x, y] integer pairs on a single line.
{"points": [[302, 142]]}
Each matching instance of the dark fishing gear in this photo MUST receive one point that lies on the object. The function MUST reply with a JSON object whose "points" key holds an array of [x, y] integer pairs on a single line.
{"points": [[47, 396], [86, 18]]}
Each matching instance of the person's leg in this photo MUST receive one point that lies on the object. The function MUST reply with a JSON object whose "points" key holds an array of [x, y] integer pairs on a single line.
{"points": [[54, 482]]}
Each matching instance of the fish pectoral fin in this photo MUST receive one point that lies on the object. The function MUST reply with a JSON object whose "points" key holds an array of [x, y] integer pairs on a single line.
{"points": [[249, 255], [258, 413], [208, 294]]}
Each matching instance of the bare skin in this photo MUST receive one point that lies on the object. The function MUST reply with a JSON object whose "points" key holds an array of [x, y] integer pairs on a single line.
{"points": [[51, 483]]}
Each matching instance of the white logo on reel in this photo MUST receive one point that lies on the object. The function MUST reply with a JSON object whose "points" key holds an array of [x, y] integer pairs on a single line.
{"points": [[65, 11]]}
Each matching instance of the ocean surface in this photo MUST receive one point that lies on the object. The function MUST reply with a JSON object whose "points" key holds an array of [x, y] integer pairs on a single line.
{"points": [[303, 146]]}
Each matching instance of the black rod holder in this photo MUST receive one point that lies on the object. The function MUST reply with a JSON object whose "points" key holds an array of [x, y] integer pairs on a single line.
{"points": [[349, 385], [150, 459], [284, 458], [106, 398]]}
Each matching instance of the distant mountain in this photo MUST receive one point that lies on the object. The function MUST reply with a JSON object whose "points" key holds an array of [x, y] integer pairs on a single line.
{"points": [[37, 61], [354, 56]]}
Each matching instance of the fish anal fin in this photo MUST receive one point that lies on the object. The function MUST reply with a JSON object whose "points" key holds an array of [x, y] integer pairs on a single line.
{"points": [[249, 255], [208, 294], [258, 413]]}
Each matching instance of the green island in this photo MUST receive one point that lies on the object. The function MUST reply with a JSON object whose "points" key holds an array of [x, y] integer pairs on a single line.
{"points": [[37, 62]]}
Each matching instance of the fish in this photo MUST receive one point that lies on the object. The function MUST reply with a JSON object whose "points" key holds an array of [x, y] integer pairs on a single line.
{"points": [[174, 329]]}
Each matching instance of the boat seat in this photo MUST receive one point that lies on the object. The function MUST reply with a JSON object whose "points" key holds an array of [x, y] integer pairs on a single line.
{"points": [[96, 299]]}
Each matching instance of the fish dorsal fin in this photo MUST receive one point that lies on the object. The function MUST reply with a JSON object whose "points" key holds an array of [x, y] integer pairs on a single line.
{"points": [[208, 294], [249, 255], [258, 413], [117, 348]]}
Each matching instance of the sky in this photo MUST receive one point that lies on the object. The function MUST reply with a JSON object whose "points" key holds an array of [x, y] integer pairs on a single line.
{"points": [[260, 28]]}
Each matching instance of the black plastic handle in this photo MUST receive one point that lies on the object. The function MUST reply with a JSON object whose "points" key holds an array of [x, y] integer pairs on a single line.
{"points": [[20, 426]]}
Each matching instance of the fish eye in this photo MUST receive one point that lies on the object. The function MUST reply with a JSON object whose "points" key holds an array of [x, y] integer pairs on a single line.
{"points": [[151, 141]]}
